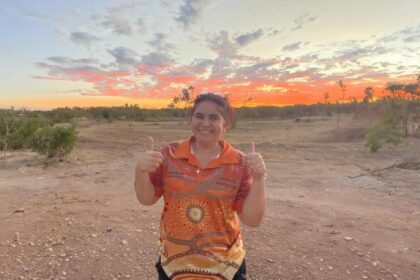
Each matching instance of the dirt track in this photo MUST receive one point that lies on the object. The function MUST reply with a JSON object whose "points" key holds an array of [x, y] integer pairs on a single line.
{"points": [[335, 211]]}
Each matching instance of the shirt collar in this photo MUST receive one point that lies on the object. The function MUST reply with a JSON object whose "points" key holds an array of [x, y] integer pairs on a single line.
{"points": [[228, 155]]}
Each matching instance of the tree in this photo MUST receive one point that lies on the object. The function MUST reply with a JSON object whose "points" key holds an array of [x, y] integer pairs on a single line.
{"points": [[6, 123], [326, 98], [343, 93], [368, 94], [184, 97]]}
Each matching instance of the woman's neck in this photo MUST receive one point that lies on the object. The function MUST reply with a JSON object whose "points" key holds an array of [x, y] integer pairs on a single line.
{"points": [[206, 152], [205, 147]]}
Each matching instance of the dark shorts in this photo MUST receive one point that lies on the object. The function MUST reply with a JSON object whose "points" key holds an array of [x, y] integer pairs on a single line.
{"points": [[240, 275]]}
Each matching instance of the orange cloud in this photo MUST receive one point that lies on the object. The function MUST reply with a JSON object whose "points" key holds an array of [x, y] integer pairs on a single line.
{"points": [[162, 83]]}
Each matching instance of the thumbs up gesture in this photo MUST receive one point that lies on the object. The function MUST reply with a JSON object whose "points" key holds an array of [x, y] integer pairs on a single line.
{"points": [[149, 160], [255, 163]]}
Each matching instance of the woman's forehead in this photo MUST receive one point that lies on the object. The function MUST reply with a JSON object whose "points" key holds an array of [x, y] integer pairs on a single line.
{"points": [[207, 107]]}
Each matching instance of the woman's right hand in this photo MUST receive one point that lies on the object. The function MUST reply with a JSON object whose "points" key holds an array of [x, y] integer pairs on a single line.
{"points": [[149, 160]]}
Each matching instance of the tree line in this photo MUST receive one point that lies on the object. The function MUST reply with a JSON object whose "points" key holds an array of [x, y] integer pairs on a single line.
{"points": [[44, 132]]}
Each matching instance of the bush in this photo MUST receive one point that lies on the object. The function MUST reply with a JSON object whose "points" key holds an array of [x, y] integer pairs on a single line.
{"points": [[54, 141], [389, 130], [25, 130], [17, 131]]}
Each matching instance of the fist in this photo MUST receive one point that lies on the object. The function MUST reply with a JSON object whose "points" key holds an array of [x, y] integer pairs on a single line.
{"points": [[149, 160], [255, 163]]}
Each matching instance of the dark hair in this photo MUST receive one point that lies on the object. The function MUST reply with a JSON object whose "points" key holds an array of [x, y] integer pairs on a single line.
{"points": [[228, 112]]}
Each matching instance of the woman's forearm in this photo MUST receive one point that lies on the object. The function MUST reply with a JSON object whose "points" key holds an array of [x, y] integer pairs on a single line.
{"points": [[254, 204], [145, 190]]}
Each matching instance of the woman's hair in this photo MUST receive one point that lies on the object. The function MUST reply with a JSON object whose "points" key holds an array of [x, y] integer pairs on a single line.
{"points": [[228, 112]]}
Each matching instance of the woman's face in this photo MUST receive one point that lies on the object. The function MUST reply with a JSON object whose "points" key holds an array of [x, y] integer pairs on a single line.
{"points": [[207, 122]]}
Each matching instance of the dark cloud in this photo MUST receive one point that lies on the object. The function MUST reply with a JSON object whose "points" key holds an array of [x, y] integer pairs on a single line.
{"points": [[124, 56], [29, 15], [159, 43], [118, 26], [260, 69], [83, 38], [292, 47], [222, 44], [156, 59], [407, 35], [189, 12], [72, 61], [413, 39], [245, 39], [121, 19], [353, 54], [272, 32], [64, 71], [301, 20]]}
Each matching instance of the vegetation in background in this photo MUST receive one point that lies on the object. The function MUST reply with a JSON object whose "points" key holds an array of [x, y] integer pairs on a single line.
{"points": [[402, 106], [35, 129], [388, 130], [54, 141], [343, 93]]}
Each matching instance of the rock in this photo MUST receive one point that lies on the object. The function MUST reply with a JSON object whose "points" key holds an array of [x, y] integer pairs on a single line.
{"points": [[270, 260], [348, 238], [124, 242], [19, 210], [17, 236], [365, 277], [330, 267], [93, 235], [334, 232]]}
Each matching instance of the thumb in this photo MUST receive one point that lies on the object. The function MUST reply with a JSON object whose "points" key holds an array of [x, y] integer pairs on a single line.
{"points": [[252, 147], [150, 143]]}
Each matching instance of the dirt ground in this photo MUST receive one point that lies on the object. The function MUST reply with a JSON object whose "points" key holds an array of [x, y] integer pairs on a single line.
{"points": [[334, 210]]}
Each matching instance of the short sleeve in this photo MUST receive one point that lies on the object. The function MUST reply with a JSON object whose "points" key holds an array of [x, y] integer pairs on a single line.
{"points": [[156, 177], [243, 190]]}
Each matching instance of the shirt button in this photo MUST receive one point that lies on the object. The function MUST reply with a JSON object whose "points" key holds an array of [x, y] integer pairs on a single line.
{"points": [[197, 171]]}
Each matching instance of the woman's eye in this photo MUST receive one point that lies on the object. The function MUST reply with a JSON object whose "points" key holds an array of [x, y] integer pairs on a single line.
{"points": [[199, 117], [214, 118]]}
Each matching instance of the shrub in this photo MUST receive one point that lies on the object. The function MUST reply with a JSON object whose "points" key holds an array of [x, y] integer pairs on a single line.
{"points": [[389, 130], [54, 141], [25, 130]]}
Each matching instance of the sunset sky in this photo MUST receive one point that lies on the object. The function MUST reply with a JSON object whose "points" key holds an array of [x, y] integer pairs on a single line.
{"points": [[272, 52]]}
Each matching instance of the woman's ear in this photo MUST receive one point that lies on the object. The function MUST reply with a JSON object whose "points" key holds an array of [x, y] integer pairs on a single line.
{"points": [[226, 126]]}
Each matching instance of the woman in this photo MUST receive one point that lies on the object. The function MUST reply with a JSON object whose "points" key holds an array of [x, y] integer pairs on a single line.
{"points": [[206, 185]]}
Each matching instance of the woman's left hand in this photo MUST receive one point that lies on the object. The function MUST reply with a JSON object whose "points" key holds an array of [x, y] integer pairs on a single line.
{"points": [[255, 163]]}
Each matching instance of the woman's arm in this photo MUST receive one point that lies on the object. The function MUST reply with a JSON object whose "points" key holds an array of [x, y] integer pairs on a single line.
{"points": [[147, 162], [145, 191], [254, 205]]}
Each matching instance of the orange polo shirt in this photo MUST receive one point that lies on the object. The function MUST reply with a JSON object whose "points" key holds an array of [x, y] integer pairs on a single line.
{"points": [[200, 236]]}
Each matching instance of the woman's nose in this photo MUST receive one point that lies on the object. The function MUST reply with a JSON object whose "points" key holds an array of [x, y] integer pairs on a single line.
{"points": [[205, 121]]}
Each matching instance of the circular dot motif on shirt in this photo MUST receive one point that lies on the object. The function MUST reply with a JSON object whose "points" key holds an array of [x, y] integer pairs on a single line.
{"points": [[195, 213]]}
